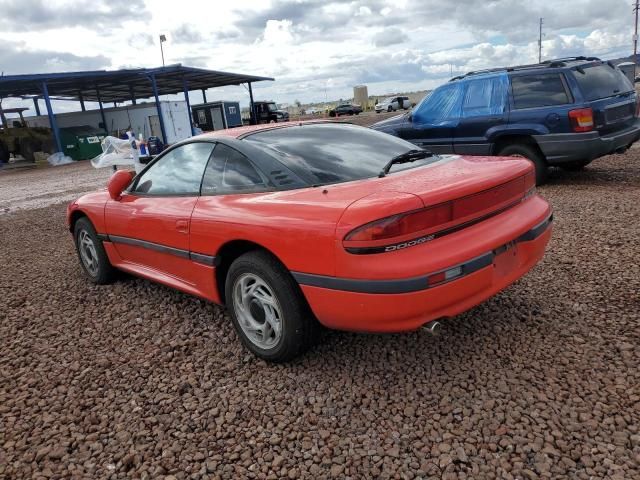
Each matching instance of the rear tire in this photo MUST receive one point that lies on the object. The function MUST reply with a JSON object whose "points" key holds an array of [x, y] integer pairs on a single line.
{"points": [[28, 147], [529, 152], [390, 109], [267, 308], [91, 253]]}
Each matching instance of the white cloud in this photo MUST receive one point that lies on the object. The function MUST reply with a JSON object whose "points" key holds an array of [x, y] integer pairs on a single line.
{"points": [[310, 45]]}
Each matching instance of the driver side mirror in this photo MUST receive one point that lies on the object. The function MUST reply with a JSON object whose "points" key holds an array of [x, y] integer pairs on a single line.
{"points": [[118, 182]]}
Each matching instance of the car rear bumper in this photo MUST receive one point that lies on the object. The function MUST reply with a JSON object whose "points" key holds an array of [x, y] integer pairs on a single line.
{"points": [[406, 304], [568, 147]]}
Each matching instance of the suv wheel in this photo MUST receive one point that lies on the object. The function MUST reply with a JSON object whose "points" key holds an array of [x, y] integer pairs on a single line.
{"points": [[529, 152], [390, 109], [268, 310]]}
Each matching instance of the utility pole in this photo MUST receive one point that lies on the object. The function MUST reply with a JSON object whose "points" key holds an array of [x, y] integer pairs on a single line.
{"points": [[540, 40], [635, 40]]}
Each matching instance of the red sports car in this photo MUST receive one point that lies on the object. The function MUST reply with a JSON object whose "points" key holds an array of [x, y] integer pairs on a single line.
{"points": [[293, 224]]}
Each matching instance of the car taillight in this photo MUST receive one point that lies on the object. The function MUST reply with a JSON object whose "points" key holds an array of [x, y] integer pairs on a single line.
{"points": [[637, 107], [581, 119], [403, 224]]}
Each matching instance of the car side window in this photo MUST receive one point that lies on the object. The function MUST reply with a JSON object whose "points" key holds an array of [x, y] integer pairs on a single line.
{"points": [[442, 106], [539, 90], [229, 171], [178, 172], [485, 96]]}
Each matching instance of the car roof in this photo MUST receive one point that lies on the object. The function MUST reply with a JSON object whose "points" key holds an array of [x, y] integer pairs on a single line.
{"points": [[241, 132]]}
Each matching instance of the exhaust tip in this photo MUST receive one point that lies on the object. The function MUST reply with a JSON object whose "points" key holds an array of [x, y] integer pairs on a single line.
{"points": [[432, 328]]}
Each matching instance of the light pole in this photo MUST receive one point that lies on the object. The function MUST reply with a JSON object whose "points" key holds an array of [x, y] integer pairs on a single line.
{"points": [[540, 42], [163, 39]]}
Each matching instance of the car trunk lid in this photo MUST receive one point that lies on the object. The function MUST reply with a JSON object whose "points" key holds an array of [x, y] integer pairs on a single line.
{"points": [[453, 192]]}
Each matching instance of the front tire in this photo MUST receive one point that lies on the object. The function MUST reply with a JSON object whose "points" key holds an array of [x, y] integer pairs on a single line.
{"points": [[267, 308], [390, 109], [91, 253], [529, 152]]}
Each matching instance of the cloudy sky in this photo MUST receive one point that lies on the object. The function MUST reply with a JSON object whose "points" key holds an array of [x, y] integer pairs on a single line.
{"points": [[314, 48]]}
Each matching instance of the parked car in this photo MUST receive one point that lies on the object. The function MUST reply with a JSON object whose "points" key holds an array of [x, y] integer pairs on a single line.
{"points": [[345, 109], [294, 224], [391, 104], [563, 113], [268, 112]]}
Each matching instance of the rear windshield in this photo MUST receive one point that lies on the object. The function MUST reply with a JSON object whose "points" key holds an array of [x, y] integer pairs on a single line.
{"points": [[333, 153], [601, 81]]}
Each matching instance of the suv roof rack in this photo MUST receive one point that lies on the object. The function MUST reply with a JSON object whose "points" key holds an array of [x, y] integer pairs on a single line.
{"points": [[556, 62]]}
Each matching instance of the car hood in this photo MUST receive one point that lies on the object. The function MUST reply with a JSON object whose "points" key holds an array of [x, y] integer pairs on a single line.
{"points": [[390, 125]]}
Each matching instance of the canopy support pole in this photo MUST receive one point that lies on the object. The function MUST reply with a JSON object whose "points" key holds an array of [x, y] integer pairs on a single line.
{"points": [[154, 85], [35, 104], [81, 98], [52, 117], [104, 120], [204, 95], [185, 88], [133, 95], [252, 108]]}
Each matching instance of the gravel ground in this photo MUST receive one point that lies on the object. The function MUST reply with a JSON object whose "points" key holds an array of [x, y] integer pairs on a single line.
{"points": [[41, 187], [134, 380]]}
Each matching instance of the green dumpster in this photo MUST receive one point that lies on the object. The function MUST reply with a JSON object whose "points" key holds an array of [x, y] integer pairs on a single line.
{"points": [[82, 142]]}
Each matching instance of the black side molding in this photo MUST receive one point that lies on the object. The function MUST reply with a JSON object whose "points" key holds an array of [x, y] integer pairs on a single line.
{"points": [[209, 260]]}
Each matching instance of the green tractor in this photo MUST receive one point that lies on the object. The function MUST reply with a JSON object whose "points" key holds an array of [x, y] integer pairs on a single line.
{"points": [[19, 139]]}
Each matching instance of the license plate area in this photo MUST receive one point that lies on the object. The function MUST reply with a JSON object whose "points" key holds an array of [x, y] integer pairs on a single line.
{"points": [[505, 259], [619, 113]]}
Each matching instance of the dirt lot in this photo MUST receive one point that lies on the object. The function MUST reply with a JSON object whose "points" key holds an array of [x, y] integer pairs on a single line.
{"points": [[134, 380]]}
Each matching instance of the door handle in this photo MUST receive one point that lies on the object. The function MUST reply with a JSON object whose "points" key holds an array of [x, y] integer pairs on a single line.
{"points": [[182, 226]]}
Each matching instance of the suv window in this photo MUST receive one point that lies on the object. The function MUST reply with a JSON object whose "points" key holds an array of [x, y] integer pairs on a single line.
{"points": [[485, 96], [601, 81], [177, 172], [327, 153], [229, 171], [539, 90], [443, 104]]}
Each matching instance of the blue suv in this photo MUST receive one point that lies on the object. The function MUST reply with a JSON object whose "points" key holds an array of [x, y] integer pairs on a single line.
{"points": [[565, 112]]}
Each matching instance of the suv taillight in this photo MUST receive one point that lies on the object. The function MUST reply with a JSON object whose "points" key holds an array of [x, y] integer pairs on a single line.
{"points": [[581, 119], [637, 107]]}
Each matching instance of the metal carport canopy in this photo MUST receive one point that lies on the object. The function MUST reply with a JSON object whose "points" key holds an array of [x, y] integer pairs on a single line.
{"points": [[119, 85]]}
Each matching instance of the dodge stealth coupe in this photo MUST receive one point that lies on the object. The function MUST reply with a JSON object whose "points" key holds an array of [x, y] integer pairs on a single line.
{"points": [[297, 225]]}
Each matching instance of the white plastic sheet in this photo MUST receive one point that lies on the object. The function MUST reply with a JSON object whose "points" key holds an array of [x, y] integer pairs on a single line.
{"points": [[59, 158], [116, 151], [473, 97]]}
